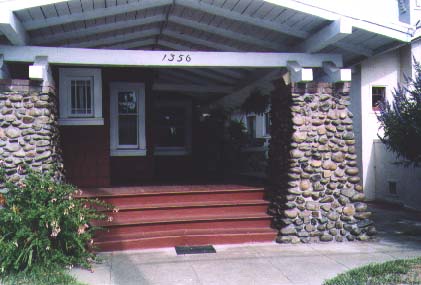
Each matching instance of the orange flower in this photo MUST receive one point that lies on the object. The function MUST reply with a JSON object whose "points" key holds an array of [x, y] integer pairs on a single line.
{"points": [[2, 200]]}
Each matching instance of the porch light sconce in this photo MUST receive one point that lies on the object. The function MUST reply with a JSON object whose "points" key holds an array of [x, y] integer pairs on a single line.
{"points": [[336, 74], [4, 71], [299, 74], [41, 71]]}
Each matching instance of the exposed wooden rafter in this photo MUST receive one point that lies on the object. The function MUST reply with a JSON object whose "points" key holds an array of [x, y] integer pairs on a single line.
{"points": [[12, 27]]}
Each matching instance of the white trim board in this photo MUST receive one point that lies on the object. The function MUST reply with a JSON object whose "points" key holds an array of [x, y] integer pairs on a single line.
{"points": [[81, 56]]}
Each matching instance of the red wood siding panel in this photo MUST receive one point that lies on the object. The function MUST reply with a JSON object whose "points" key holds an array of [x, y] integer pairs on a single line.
{"points": [[86, 155]]}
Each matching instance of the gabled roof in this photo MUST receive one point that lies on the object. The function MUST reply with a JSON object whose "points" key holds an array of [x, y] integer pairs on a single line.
{"points": [[223, 25]]}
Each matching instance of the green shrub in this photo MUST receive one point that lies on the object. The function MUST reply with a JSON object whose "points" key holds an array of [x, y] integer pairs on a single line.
{"points": [[42, 224]]}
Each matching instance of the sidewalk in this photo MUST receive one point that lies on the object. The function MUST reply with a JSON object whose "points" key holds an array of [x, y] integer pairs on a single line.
{"points": [[265, 263]]}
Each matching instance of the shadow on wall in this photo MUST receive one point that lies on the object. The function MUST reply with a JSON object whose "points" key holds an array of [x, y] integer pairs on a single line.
{"points": [[394, 182]]}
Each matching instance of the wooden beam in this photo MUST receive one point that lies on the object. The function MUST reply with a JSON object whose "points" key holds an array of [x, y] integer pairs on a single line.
{"points": [[4, 70], [80, 56], [398, 32], [198, 41], [236, 36], [111, 40], [135, 44], [336, 74], [356, 49], [21, 5], [94, 30], [12, 28], [242, 18], [298, 73], [96, 13], [329, 35], [191, 88], [41, 70], [237, 97]]}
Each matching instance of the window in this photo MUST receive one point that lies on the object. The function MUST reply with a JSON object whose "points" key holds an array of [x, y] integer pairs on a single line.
{"points": [[378, 94], [127, 119], [172, 127], [268, 124], [251, 126], [80, 96]]}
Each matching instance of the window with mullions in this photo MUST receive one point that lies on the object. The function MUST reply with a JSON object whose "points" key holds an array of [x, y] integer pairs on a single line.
{"points": [[378, 95], [127, 119], [81, 98]]}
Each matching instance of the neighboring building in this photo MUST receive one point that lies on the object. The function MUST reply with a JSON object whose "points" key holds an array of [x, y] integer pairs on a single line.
{"points": [[133, 79]]}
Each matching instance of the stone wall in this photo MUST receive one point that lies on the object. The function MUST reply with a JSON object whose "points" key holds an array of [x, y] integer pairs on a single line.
{"points": [[314, 179], [28, 128]]}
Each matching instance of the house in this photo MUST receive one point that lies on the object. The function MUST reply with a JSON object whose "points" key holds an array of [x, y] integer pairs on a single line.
{"points": [[113, 93]]}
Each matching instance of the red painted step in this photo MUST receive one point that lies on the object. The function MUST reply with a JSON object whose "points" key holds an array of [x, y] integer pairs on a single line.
{"points": [[157, 216]]}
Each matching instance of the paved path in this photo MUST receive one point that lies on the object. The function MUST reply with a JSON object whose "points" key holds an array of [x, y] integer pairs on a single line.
{"points": [[264, 263]]}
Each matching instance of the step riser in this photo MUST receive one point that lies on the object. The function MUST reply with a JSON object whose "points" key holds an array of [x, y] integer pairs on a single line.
{"points": [[173, 199], [187, 214], [185, 241], [168, 229]]}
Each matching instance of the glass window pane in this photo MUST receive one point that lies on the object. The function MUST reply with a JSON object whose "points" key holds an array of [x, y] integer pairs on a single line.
{"points": [[127, 130], [127, 103], [81, 97], [251, 126]]}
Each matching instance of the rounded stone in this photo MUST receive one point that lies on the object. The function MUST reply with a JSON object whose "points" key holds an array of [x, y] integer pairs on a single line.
{"points": [[15, 98], [362, 215], [326, 207], [13, 147], [292, 214], [310, 228], [358, 197], [352, 171], [347, 192], [333, 216], [316, 163], [358, 188], [327, 199], [296, 153], [338, 157], [329, 165], [349, 210], [298, 120], [360, 207], [312, 206], [13, 132], [289, 230], [299, 137], [305, 184], [326, 238], [354, 179]]}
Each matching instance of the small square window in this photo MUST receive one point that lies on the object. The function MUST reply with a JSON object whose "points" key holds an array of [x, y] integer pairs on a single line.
{"points": [[378, 94], [80, 96]]}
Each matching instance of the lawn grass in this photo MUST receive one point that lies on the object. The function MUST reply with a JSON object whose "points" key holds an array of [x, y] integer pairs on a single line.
{"points": [[40, 276], [404, 271]]}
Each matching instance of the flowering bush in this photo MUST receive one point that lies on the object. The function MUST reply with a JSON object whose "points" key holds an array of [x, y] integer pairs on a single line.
{"points": [[42, 223], [401, 120]]}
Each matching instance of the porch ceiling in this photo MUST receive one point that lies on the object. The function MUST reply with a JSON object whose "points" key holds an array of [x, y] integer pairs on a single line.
{"points": [[197, 25]]}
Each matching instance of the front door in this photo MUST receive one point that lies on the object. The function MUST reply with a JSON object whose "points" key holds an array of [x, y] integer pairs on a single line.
{"points": [[127, 119]]}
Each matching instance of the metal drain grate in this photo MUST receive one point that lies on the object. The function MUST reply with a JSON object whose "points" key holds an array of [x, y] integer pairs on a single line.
{"points": [[194, 249]]}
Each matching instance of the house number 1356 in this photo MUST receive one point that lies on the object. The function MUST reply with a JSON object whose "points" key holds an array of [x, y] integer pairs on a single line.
{"points": [[177, 58]]}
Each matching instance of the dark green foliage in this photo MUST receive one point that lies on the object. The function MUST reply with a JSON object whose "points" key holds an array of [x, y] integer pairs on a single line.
{"points": [[43, 225], [401, 120]]}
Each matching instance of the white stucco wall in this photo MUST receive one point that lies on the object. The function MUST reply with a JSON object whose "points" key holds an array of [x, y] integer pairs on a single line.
{"points": [[407, 179], [383, 70]]}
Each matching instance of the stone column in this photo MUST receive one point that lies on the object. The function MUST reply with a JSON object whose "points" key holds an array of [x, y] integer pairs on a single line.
{"points": [[314, 180], [28, 128]]}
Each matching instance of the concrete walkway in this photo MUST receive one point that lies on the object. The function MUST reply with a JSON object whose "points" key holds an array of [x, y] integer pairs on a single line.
{"points": [[264, 263]]}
